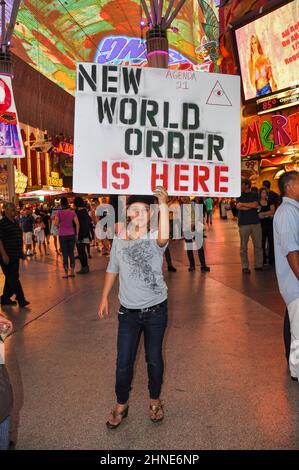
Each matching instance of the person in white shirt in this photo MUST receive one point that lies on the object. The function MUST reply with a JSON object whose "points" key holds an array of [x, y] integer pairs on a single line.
{"points": [[286, 247]]}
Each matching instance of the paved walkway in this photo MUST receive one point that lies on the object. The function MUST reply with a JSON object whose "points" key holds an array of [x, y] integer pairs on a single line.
{"points": [[226, 381]]}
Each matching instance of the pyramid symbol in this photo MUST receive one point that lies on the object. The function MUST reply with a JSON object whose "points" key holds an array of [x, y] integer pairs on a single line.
{"points": [[218, 97]]}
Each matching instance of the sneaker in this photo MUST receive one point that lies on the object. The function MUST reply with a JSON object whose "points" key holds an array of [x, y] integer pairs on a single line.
{"points": [[205, 269], [191, 268], [171, 269], [24, 303], [83, 271]]}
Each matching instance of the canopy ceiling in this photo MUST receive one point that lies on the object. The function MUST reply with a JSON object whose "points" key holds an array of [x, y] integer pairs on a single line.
{"points": [[52, 35]]}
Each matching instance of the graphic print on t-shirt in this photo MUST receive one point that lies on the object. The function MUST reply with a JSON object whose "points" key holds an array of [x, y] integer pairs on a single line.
{"points": [[138, 257]]}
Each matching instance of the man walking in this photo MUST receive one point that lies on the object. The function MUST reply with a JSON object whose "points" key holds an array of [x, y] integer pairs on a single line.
{"points": [[83, 239], [27, 222], [286, 246], [209, 203], [249, 226], [10, 255]]}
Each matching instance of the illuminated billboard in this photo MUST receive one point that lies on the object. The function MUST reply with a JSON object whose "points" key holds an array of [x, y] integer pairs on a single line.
{"points": [[268, 51], [11, 144], [53, 35]]}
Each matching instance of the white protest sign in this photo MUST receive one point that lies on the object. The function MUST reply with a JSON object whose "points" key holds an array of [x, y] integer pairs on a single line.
{"points": [[138, 128], [11, 144]]}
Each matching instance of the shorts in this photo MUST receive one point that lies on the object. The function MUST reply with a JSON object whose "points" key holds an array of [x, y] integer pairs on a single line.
{"points": [[86, 241], [27, 238], [54, 230], [40, 236]]}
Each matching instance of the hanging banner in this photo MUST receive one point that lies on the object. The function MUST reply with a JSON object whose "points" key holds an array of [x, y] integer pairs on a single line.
{"points": [[11, 144], [138, 128]]}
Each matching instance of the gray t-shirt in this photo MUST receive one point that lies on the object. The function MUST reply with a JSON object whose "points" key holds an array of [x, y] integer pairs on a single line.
{"points": [[139, 264]]}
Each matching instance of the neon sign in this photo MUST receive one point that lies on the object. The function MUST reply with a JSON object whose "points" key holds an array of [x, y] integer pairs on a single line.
{"points": [[260, 136], [126, 50], [65, 147], [10, 137], [21, 181], [54, 180]]}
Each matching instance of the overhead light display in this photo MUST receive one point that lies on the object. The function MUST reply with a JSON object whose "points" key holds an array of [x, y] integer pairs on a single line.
{"points": [[53, 35]]}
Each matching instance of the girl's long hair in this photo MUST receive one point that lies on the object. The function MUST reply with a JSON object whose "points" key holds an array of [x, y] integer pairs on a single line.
{"points": [[260, 193], [259, 47]]}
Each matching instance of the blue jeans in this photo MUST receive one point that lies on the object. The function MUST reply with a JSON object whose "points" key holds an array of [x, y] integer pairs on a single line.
{"points": [[67, 243], [209, 217], [152, 322], [4, 434]]}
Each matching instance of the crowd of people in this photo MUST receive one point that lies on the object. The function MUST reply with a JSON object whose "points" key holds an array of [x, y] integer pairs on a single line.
{"points": [[136, 255], [256, 209], [74, 228]]}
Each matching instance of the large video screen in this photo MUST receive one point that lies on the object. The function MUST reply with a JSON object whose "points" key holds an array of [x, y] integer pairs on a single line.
{"points": [[268, 51]]}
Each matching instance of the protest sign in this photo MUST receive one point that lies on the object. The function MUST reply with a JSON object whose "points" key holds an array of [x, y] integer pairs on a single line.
{"points": [[137, 128]]}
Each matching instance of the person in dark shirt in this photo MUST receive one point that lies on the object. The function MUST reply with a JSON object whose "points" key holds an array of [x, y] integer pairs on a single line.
{"points": [[83, 236], [266, 213], [249, 226], [10, 255], [195, 237], [46, 220], [27, 222], [273, 197]]}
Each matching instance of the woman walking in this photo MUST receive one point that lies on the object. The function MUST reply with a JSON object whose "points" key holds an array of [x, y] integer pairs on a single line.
{"points": [[54, 229], [39, 233], [137, 257], [68, 227]]}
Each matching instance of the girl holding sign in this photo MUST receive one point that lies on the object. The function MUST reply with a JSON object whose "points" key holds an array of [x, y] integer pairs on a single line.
{"points": [[137, 257]]}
